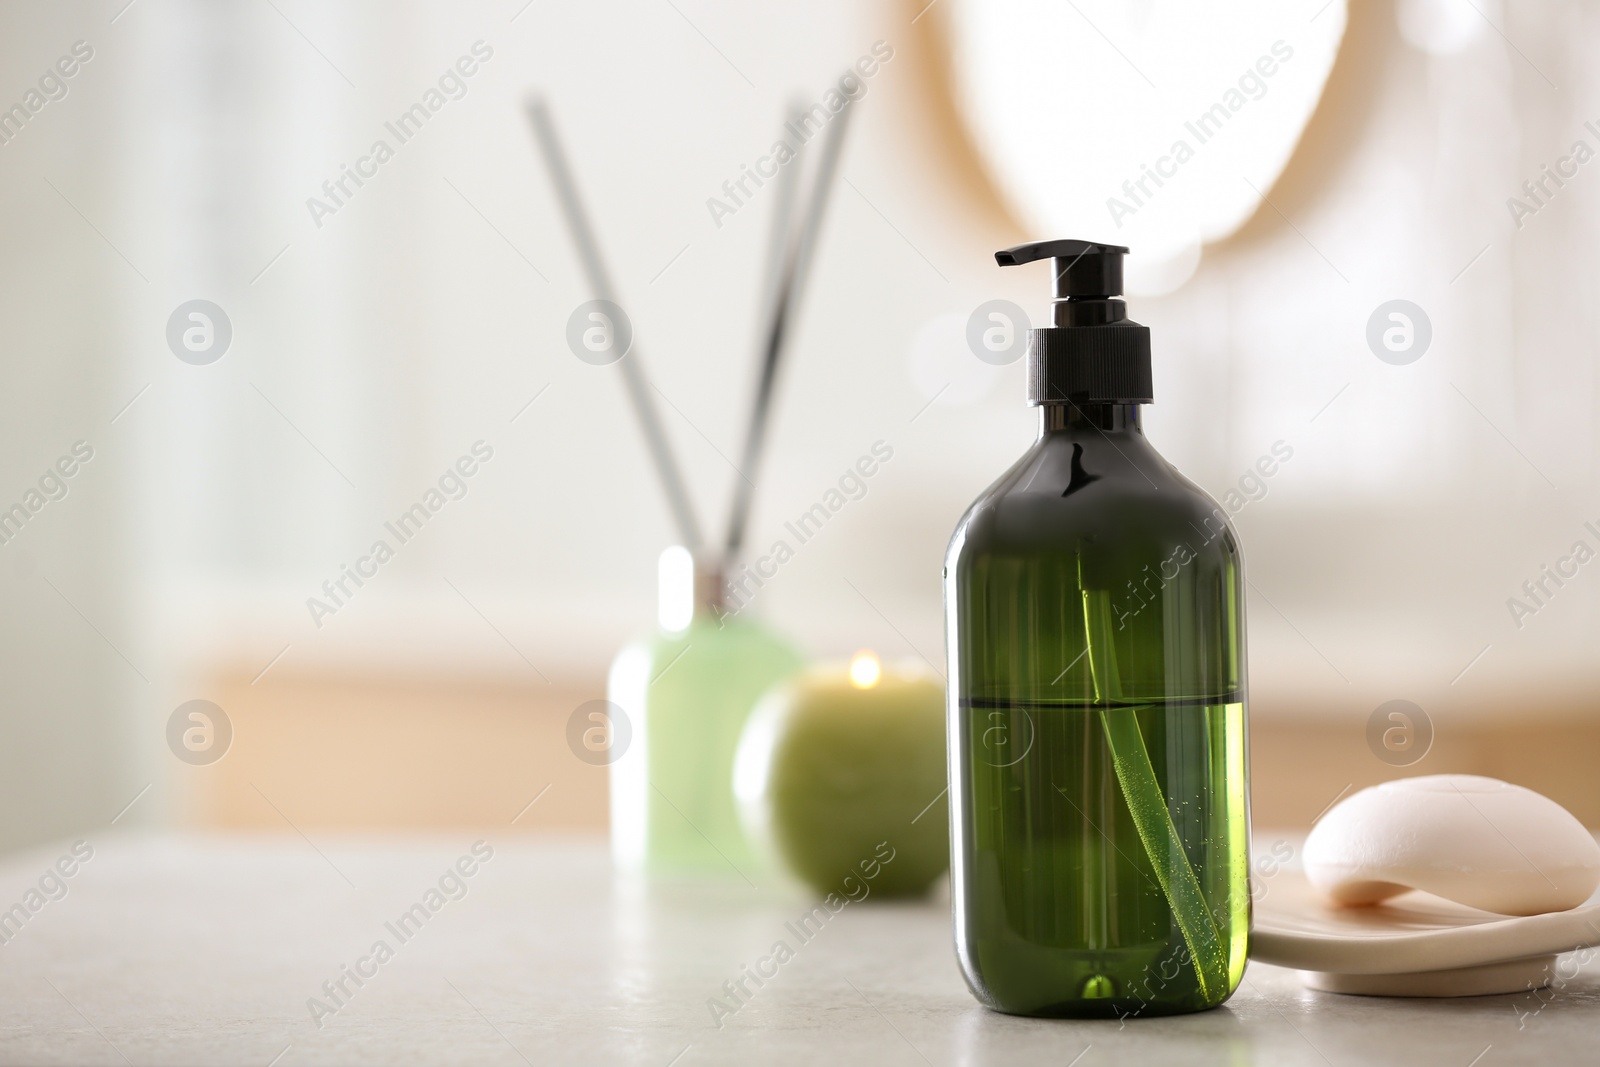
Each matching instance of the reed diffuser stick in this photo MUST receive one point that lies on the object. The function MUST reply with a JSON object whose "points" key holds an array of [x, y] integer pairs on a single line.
{"points": [[782, 315], [778, 233], [644, 407]]}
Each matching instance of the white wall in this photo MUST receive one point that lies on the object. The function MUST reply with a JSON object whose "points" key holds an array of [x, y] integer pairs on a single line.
{"points": [[73, 675]]}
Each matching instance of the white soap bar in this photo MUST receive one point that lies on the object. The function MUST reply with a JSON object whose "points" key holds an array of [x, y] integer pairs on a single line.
{"points": [[1478, 841]]}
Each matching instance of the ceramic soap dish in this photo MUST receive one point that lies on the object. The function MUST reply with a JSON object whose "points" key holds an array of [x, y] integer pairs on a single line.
{"points": [[1416, 945]]}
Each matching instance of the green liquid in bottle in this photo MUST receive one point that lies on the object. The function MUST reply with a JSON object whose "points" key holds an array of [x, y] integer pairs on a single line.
{"points": [[1063, 911]]}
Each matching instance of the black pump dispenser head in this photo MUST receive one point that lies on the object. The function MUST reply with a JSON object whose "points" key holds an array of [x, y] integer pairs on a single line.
{"points": [[1093, 353]]}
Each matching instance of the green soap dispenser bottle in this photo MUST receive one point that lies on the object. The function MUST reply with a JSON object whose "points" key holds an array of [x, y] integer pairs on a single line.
{"points": [[1094, 604]]}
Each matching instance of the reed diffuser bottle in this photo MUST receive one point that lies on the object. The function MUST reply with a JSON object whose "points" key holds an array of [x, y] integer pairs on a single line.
{"points": [[685, 690], [1095, 612], [688, 689]]}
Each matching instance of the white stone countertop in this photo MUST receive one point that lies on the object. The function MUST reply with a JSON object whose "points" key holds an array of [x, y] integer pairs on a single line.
{"points": [[206, 949]]}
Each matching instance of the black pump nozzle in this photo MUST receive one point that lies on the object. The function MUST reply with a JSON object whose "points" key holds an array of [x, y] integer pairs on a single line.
{"points": [[1093, 353], [1082, 268]]}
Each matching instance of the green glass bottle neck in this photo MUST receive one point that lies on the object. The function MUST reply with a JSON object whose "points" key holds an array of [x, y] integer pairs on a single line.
{"points": [[710, 591], [1072, 418]]}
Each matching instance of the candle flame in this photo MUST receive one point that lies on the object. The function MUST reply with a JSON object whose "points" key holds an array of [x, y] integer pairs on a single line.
{"points": [[865, 671]]}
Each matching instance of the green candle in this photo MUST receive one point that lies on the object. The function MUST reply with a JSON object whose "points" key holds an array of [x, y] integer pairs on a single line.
{"points": [[844, 764]]}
